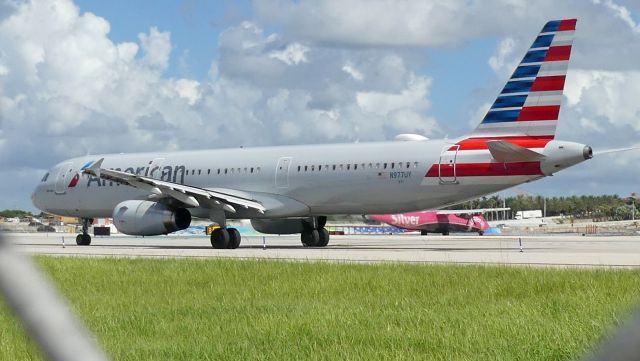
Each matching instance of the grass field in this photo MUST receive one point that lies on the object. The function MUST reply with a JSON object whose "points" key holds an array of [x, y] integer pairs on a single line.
{"points": [[237, 310]]}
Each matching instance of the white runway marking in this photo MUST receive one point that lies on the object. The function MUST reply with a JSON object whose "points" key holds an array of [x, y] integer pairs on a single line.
{"points": [[566, 250]]}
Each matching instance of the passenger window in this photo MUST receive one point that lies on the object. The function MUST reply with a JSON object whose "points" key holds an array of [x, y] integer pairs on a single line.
{"points": [[334, 167], [392, 165], [305, 168], [199, 171], [251, 169], [225, 171], [320, 167], [218, 170], [355, 167], [385, 166], [208, 171], [298, 168], [313, 167], [348, 166], [408, 164], [44, 179]]}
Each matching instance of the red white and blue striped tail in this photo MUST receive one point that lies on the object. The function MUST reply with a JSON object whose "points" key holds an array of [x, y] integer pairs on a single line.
{"points": [[529, 104]]}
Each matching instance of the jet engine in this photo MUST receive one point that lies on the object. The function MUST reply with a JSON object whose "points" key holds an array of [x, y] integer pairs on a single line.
{"points": [[145, 218], [287, 226]]}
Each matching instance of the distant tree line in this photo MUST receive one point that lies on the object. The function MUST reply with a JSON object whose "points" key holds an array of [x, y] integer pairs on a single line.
{"points": [[603, 207], [15, 213]]}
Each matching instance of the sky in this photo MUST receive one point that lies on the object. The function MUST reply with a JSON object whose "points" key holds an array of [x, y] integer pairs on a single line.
{"points": [[88, 77]]}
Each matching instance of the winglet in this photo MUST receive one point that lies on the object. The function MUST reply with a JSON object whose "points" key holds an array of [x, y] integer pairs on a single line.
{"points": [[95, 168], [506, 152]]}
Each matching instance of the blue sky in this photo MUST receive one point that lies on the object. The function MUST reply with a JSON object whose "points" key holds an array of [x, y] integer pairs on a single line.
{"points": [[80, 76]]}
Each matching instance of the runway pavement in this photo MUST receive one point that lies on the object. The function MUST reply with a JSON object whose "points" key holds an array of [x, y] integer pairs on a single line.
{"points": [[566, 250]]}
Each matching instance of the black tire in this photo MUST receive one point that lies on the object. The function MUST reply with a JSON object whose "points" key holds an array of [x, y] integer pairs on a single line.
{"points": [[234, 238], [310, 238], [445, 233], [481, 233], [83, 240], [304, 238], [220, 238], [323, 237], [424, 233]]}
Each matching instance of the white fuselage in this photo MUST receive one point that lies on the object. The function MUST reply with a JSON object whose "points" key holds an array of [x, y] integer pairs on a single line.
{"points": [[384, 177]]}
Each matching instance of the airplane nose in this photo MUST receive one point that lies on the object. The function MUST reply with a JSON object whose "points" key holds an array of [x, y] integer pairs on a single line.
{"points": [[35, 198]]}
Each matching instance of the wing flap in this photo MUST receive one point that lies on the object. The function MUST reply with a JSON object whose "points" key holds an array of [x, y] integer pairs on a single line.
{"points": [[506, 152], [189, 195]]}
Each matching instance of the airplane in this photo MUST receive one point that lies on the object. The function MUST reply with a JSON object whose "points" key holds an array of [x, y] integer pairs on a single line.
{"points": [[438, 221], [292, 189]]}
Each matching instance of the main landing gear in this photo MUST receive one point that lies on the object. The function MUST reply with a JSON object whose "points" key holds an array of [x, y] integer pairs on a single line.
{"points": [[225, 238], [315, 235], [84, 239]]}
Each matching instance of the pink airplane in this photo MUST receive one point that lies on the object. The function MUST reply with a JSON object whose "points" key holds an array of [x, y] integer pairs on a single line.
{"points": [[435, 221]]}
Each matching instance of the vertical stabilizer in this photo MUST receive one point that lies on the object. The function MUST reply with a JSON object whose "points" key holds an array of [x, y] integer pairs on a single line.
{"points": [[529, 104]]}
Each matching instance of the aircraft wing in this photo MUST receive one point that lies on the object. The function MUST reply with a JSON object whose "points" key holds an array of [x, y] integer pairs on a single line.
{"points": [[506, 152], [470, 211], [190, 196]]}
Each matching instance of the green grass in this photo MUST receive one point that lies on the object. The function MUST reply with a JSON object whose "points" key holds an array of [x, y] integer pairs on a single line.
{"points": [[236, 310]]}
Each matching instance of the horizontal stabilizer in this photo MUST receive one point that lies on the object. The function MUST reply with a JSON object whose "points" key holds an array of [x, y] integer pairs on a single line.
{"points": [[506, 152]]}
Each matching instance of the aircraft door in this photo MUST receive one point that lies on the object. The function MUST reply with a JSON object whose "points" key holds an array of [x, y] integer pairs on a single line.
{"points": [[65, 173], [282, 172], [447, 166]]}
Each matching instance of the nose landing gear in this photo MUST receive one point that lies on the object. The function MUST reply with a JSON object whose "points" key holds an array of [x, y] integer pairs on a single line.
{"points": [[84, 239]]}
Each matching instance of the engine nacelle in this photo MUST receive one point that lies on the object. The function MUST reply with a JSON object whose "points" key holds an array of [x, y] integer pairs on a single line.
{"points": [[287, 225], [145, 218]]}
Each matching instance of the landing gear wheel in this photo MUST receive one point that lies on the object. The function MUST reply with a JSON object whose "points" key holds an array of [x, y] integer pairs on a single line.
{"points": [[83, 240], [424, 233], [220, 238], [323, 240], [481, 233], [445, 233], [310, 238], [234, 238]]}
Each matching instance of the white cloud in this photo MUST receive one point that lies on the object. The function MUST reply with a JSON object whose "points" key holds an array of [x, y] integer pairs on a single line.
{"points": [[611, 96], [351, 70], [621, 12], [293, 54], [502, 62], [157, 47], [414, 97]]}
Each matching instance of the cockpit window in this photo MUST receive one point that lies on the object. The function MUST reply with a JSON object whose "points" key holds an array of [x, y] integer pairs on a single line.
{"points": [[44, 179]]}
